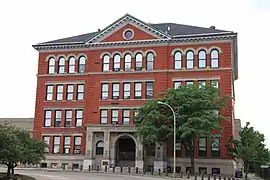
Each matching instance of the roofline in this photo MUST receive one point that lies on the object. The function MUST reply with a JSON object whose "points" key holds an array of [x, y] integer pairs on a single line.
{"points": [[206, 34], [79, 42]]}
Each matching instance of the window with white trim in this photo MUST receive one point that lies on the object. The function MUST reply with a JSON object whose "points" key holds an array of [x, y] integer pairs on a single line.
{"points": [[106, 63], [215, 147], [201, 83], [104, 91], [49, 92], [51, 65], [126, 116], [61, 65], [138, 62], [56, 145], [66, 147], [71, 65], [77, 144], [214, 58], [215, 83], [127, 62], [126, 94], [80, 91], [189, 83], [138, 90], [202, 59], [79, 118], [99, 148], [178, 60], [82, 64], [177, 84], [190, 60], [58, 118], [47, 118], [103, 116], [59, 92], [149, 90], [46, 140], [202, 147], [70, 91], [115, 116], [68, 118], [116, 62], [150, 61], [115, 90]]}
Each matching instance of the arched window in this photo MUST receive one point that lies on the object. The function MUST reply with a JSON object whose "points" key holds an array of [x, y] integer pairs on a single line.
{"points": [[61, 65], [214, 58], [150, 61], [51, 67], [178, 60], [99, 148], [71, 65], [138, 62], [106, 63], [127, 62], [82, 63], [116, 62], [190, 60], [202, 59]]}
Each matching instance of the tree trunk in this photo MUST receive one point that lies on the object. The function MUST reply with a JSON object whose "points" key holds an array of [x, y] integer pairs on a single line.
{"points": [[8, 169], [192, 161], [246, 169], [12, 170]]}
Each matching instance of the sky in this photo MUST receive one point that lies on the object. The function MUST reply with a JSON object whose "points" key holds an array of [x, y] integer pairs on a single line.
{"points": [[28, 22]]}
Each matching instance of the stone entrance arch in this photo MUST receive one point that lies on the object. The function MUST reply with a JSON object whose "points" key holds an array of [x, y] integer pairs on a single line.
{"points": [[125, 150]]}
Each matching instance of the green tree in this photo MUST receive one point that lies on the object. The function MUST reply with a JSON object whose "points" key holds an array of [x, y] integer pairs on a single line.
{"points": [[17, 145], [196, 116], [250, 149]]}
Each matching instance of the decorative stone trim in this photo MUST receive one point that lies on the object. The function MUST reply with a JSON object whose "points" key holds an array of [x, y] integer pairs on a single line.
{"points": [[214, 47], [150, 51], [49, 57], [125, 32], [202, 48], [127, 52], [189, 49], [196, 78], [117, 52], [105, 53], [62, 108], [126, 134], [137, 52], [123, 81], [176, 50], [71, 55], [118, 107], [80, 55], [64, 82], [59, 56]]}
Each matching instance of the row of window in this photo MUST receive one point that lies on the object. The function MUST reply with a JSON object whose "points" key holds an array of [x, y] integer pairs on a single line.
{"points": [[126, 89], [67, 140], [61, 66], [58, 118], [114, 115], [138, 65], [70, 90], [201, 83]]}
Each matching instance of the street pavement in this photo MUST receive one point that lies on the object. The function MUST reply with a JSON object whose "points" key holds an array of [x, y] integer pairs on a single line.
{"points": [[48, 175]]}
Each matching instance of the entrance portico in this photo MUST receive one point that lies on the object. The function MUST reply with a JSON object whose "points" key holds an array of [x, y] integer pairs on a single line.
{"points": [[113, 146]]}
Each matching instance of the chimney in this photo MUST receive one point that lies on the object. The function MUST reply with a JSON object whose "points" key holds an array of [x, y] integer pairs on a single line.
{"points": [[98, 30], [212, 27], [169, 28]]}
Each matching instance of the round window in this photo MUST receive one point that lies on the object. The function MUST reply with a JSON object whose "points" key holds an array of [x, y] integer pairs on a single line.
{"points": [[128, 34]]}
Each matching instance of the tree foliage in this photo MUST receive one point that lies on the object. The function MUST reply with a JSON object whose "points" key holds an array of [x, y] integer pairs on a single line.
{"points": [[250, 149], [196, 116], [17, 145]]}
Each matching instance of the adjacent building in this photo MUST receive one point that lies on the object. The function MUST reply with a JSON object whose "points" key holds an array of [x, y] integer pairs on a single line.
{"points": [[89, 87]]}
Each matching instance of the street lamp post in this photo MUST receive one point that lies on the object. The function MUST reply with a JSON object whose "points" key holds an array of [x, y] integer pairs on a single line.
{"points": [[174, 136]]}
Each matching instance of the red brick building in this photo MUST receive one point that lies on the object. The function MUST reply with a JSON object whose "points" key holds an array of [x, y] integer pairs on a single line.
{"points": [[90, 85]]}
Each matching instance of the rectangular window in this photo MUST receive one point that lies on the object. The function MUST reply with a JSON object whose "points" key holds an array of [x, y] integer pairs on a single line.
{"points": [[178, 148], [59, 92], [115, 90], [202, 147], [126, 116], [202, 83], [80, 91], [58, 118], [177, 84], [70, 91], [104, 91], [138, 90], [115, 116], [46, 139], [77, 144], [189, 83], [126, 91], [215, 83], [135, 112], [49, 92], [67, 144], [103, 116], [47, 118], [149, 90], [68, 118], [56, 144], [79, 118], [215, 147]]}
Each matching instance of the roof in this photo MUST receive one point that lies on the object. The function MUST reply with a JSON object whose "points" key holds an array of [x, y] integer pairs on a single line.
{"points": [[176, 31], [25, 123]]}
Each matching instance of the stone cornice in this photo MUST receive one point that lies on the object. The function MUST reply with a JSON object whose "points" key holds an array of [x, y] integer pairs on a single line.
{"points": [[100, 45]]}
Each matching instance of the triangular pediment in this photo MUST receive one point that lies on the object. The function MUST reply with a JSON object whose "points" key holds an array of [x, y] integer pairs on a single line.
{"points": [[116, 31]]}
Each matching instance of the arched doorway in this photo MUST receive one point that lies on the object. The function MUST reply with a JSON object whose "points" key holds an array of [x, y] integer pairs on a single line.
{"points": [[125, 151]]}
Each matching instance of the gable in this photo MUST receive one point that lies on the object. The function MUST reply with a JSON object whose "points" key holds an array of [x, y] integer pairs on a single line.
{"points": [[126, 32]]}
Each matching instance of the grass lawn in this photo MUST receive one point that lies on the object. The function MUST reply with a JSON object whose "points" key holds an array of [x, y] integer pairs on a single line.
{"points": [[16, 177]]}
